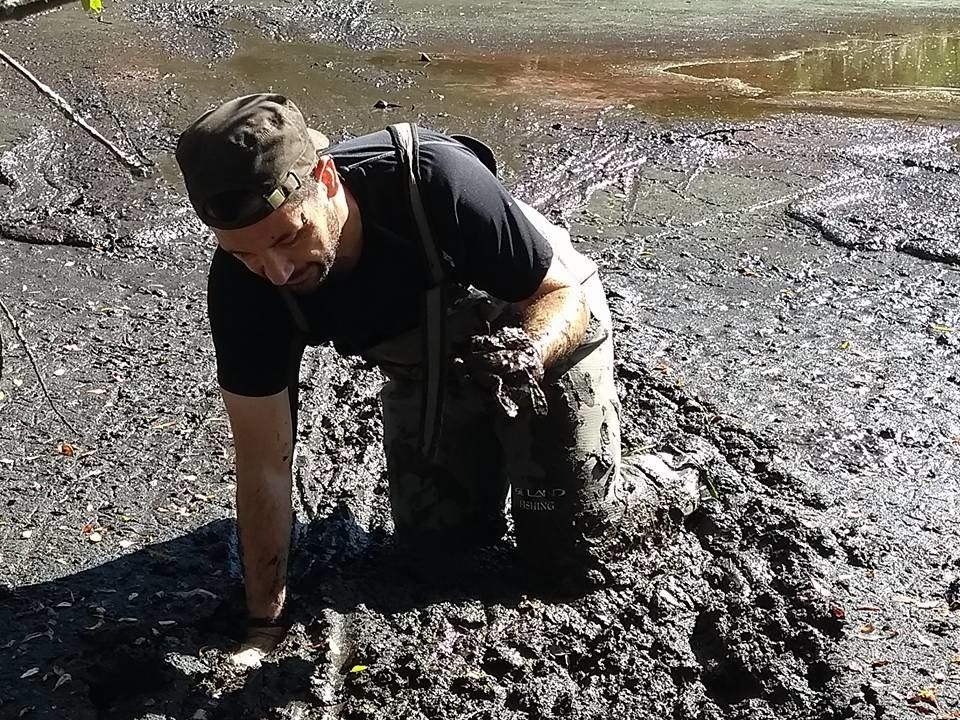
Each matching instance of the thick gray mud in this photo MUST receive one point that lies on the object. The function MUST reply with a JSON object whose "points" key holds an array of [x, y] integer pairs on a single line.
{"points": [[786, 306]]}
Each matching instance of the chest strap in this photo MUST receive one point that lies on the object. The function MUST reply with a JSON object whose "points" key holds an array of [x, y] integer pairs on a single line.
{"points": [[407, 143]]}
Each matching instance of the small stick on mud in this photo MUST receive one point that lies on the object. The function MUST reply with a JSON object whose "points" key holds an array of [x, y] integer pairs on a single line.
{"points": [[133, 164], [33, 362], [693, 176]]}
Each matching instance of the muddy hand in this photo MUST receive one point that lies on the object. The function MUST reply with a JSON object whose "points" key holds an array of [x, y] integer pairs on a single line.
{"points": [[261, 640], [509, 367]]}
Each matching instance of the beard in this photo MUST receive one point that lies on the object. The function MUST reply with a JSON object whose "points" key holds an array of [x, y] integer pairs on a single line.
{"points": [[313, 274]]}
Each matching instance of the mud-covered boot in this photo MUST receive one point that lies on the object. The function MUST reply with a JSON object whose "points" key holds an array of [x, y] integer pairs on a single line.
{"points": [[564, 469]]}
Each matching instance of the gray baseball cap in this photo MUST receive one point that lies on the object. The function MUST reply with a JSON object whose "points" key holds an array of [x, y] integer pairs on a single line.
{"points": [[243, 159]]}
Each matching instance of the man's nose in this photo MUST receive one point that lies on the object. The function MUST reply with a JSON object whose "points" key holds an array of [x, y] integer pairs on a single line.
{"points": [[277, 268]]}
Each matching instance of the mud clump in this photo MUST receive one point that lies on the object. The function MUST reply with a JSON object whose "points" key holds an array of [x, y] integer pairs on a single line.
{"points": [[714, 615]]}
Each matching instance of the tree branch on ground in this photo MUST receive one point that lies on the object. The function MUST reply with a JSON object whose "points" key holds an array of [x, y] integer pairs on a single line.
{"points": [[33, 362], [136, 166]]}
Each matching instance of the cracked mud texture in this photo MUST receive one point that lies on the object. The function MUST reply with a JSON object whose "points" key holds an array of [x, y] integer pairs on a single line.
{"points": [[787, 367]]}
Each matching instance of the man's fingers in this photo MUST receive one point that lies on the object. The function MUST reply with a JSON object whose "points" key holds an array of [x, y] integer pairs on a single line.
{"points": [[495, 386], [537, 397]]}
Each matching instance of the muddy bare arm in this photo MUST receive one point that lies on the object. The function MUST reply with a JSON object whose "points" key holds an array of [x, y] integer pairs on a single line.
{"points": [[556, 315], [263, 439]]}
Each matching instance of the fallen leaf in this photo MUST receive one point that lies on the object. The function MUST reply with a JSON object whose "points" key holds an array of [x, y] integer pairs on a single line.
{"points": [[845, 345], [86, 529], [926, 695], [67, 449], [30, 673], [880, 662], [838, 612], [358, 668], [867, 628], [63, 679]]}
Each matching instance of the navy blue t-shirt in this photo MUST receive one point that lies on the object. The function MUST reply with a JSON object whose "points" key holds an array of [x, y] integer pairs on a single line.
{"points": [[475, 221]]}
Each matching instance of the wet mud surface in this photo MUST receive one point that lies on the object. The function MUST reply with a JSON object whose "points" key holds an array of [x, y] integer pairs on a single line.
{"points": [[787, 306]]}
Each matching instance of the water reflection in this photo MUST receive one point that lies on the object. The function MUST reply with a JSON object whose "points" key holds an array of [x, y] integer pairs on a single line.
{"points": [[894, 63], [915, 75]]}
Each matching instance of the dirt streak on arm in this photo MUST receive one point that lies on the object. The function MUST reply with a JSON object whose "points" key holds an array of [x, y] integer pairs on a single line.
{"points": [[263, 440], [556, 315]]}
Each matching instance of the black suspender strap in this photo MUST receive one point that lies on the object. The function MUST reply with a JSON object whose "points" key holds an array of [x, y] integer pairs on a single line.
{"points": [[406, 141]]}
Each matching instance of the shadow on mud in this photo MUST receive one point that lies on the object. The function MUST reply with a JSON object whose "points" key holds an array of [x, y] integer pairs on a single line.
{"points": [[145, 634]]}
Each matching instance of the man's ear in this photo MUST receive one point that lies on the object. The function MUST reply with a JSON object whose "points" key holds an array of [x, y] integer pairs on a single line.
{"points": [[326, 175]]}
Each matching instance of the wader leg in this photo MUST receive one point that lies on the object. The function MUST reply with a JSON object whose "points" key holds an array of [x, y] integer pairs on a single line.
{"points": [[456, 499], [563, 468]]}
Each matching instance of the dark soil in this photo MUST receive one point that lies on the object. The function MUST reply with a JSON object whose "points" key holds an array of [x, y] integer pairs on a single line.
{"points": [[787, 306]]}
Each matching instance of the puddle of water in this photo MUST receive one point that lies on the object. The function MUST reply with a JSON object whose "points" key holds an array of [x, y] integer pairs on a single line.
{"points": [[929, 62], [914, 75], [337, 87], [655, 24]]}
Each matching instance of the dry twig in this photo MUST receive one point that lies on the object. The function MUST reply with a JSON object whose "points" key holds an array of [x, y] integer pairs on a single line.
{"points": [[33, 362], [133, 164]]}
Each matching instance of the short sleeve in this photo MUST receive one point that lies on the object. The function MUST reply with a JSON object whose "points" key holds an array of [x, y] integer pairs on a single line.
{"points": [[493, 245], [252, 330]]}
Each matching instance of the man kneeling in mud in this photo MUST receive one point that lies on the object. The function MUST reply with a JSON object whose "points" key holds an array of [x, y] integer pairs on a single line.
{"points": [[403, 247]]}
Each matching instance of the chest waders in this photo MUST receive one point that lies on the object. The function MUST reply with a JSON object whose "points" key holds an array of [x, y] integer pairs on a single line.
{"points": [[450, 458]]}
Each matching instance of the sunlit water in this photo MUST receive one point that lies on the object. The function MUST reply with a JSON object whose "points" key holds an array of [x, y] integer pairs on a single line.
{"points": [[892, 63], [867, 56], [656, 23], [676, 58]]}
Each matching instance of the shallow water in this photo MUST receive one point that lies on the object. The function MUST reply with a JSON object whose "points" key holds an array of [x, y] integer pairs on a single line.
{"points": [[675, 58], [656, 24], [927, 61], [757, 55], [902, 75]]}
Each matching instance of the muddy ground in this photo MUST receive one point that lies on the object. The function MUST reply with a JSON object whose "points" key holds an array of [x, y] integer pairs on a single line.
{"points": [[787, 305]]}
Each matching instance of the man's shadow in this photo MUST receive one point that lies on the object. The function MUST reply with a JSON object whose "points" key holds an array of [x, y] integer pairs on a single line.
{"points": [[144, 634]]}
